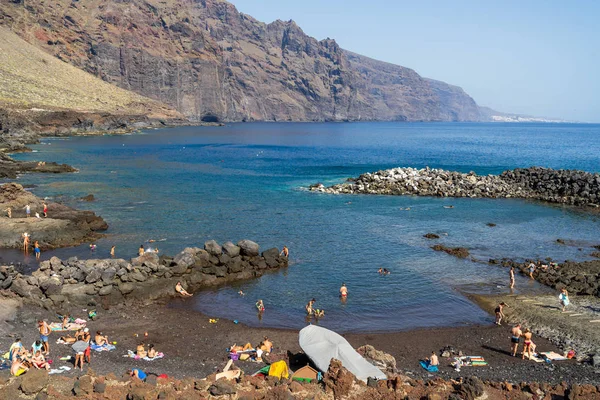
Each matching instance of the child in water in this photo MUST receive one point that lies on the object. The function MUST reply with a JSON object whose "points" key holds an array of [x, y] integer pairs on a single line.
{"points": [[260, 306]]}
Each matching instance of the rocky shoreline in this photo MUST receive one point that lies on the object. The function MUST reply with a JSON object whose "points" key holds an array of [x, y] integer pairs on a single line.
{"points": [[569, 187], [64, 226], [147, 277]]}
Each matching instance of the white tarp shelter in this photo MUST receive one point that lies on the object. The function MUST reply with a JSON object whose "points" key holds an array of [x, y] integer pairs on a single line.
{"points": [[321, 345]]}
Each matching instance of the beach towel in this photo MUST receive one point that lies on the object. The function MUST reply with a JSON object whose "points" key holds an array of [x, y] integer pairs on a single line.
{"points": [[55, 371], [104, 347], [158, 355], [430, 368], [57, 327], [553, 356]]}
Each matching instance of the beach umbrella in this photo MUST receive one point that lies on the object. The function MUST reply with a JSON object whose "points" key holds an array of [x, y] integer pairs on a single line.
{"points": [[80, 346]]}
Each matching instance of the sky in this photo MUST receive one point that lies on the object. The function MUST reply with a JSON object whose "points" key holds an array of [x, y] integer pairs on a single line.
{"points": [[533, 57]]}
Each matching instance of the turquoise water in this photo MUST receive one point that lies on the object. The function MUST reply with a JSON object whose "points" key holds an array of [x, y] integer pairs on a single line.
{"points": [[188, 185]]}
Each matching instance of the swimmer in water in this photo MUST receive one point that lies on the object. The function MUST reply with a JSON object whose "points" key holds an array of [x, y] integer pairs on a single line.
{"points": [[241, 293], [343, 290]]}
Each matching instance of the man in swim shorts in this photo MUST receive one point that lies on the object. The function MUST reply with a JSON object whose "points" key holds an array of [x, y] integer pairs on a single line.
{"points": [[44, 333], [515, 338], [344, 290]]}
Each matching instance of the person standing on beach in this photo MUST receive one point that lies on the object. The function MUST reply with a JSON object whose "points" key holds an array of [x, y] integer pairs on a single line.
{"points": [[45, 210], [564, 299], [27, 210], [8, 212], [512, 277], [343, 291], [112, 251], [499, 313], [44, 333], [36, 250], [527, 344], [515, 339]]}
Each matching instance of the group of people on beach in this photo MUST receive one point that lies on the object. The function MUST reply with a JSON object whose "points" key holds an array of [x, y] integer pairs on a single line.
{"points": [[27, 209]]}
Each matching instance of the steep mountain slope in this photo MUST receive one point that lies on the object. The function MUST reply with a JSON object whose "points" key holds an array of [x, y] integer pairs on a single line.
{"points": [[31, 78], [213, 63]]}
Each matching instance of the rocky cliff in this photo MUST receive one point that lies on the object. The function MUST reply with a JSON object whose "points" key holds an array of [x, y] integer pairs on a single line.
{"points": [[213, 63]]}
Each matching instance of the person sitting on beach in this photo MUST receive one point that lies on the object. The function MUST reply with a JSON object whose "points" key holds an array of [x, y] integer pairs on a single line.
{"points": [[564, 299], [433, 359], [86, 336], [267, 344], [260, 306], [16, 349], [8, 212], [527, 344], [18, 367], [138, 373], [141, 250], [39, 361], [179, 289], [151, 351], [100, 339], [500, 313], [344, 290], [65, 322], [141, 350], [515, 339]]}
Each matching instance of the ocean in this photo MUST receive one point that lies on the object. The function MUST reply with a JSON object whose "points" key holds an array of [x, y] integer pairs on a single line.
{"points": [[184, 186]]}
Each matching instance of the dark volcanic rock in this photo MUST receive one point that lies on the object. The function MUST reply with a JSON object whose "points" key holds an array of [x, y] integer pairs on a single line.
{"points": [[431, 236], [459, 252], [34, 381]]}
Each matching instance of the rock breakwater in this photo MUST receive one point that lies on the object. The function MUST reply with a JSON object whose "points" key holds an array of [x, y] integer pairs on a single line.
{"points": [[557, 186], [147, 277]]}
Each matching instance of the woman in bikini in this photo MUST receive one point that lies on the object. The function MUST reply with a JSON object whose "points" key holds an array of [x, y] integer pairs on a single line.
{"points": [[527, 344], [141, 350], [151, 351]]}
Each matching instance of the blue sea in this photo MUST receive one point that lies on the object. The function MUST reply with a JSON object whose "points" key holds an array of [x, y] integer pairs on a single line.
{"points": [[184, 186]]}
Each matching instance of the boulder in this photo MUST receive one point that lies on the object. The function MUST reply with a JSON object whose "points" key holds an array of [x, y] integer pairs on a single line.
{"points": [[201, 259], [146, 258], [221, 387], [231, 249], [52, 286], [105, 291], [99, 387], [125, 287], [179, 269], [137, 276], [184, 260], [86, 384], [471, 388], [77, 293], [431, 236], [271, 257], [248, 248], [221, 271], [384, 361], [93, 276], [5, 284], [109, 274], [23, 289], [34, 381], [213, 248], [55, 263], [235, 265], [338, 379]]}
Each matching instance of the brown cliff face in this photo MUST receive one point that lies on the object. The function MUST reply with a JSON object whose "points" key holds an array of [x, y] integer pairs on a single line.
{"points": [[212, 63]]}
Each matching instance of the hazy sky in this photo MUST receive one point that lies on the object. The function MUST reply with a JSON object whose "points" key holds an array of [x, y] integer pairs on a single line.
{"points": [[529, 57]]}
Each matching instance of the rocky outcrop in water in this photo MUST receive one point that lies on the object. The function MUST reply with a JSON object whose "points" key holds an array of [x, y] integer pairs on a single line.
{"points": [[63, 227], [213, 63], [557, 186], [146, 277]]}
